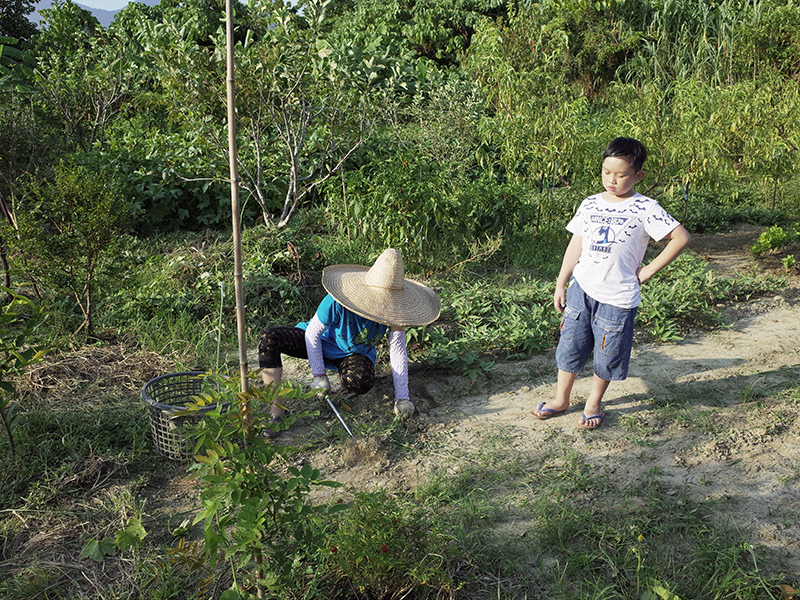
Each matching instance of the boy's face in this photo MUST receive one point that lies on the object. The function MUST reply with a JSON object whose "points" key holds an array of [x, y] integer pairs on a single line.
{"points": [[619, 177]]}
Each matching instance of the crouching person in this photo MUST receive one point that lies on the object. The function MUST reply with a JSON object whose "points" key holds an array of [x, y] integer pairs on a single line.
{"points": [[363, 305]]}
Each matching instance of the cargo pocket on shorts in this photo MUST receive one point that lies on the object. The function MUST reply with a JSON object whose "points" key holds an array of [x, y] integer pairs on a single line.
{"points": [[612, 332], [569, 323]]}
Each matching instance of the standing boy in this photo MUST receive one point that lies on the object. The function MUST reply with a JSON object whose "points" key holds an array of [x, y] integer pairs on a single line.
{"points": [[610, 232]]}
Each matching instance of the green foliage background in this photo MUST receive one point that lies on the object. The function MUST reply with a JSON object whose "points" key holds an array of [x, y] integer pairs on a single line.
{"points": [[463, 133]]}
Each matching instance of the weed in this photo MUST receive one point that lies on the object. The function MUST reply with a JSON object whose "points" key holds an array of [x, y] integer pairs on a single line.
{"points": [[639, 432], [675, 400], [792, 475], [751, 393], [388, 547], [773, 238]]}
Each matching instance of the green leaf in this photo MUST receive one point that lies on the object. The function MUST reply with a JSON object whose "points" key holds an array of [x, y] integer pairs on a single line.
{"points": [[327, 483], [97, 550], [231, 594], [203, 459], [658, 592], [131, 536]]}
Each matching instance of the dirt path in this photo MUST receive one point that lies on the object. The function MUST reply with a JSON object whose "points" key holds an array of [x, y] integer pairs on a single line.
{"points": [[690, 412]]}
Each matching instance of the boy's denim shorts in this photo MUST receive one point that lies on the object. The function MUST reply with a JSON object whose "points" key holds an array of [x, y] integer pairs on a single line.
{"points": [[589, 326]]}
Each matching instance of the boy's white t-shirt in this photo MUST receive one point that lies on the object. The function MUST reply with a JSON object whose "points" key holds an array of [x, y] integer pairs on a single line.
{"points": [[615, 237]]}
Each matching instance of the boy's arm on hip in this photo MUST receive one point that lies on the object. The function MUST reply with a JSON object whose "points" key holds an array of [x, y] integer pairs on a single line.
{"points": [[679, 239]]}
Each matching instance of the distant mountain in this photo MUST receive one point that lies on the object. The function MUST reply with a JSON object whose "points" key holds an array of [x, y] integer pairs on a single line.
{"points": [[104, 16]]}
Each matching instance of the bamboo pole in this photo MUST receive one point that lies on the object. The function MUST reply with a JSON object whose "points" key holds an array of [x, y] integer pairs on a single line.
{"points": [[237, 245], [234, 176]]}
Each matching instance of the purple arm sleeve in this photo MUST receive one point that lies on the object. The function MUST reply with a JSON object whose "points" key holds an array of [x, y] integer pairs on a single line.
{"points": [[398, 357], [314, 333]]}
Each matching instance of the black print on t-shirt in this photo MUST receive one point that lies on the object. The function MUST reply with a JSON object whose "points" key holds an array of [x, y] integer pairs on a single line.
{"points": [[604, 236]]}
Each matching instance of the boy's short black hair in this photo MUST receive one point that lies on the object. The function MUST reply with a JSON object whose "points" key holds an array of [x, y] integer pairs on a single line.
{"points": [[630, 150]]}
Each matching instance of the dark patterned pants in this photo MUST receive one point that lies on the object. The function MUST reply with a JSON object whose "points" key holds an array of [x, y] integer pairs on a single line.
{"points": [[356, 370]]}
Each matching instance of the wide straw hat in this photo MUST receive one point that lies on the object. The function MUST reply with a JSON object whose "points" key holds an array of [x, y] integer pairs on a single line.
{"points": [[381, 292]]}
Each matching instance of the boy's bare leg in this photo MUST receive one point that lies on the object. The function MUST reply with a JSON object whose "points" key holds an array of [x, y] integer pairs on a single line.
{"points": [[593, 402], [563, 390]]}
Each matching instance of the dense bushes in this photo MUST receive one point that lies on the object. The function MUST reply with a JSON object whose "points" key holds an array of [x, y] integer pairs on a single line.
{"points": [[467, 142]]}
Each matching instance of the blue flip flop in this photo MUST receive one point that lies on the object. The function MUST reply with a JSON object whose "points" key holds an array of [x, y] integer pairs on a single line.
{"points": [[549, 412], [584, 421]]}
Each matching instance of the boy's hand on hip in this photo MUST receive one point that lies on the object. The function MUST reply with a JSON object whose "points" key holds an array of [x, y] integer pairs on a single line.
{"points": [[643, 274]]}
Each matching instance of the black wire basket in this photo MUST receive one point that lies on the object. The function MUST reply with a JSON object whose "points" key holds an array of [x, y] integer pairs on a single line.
{"points": [[166, 396]]}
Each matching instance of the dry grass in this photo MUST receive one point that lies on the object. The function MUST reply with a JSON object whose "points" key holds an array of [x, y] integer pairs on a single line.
{"points": [[112, 369], [85, 493]]}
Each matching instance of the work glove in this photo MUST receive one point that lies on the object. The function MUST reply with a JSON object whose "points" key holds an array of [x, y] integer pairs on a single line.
{"points": [[321, 385], [403, 408]]}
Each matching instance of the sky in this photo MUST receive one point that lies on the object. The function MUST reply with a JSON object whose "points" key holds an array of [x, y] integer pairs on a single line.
{"points": [[96, 4], [105, 4]]}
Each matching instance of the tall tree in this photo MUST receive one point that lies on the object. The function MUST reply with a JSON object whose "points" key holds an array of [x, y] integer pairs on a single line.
{"points": [[301, 103], [14, 20], [83, 73], [314, 99]]}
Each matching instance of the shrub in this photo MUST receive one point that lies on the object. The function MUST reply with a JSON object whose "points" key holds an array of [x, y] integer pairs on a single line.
{"points": [[774, 238], [256, 518], [19, 318], [388, 547], [69, 230]]}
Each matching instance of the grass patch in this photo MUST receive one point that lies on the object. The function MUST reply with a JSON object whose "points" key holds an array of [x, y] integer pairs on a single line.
{"points": [[555, 526], [487, 521]]}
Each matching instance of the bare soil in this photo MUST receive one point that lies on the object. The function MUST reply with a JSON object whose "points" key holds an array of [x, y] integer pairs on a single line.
{"points": [[733, 436]]}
